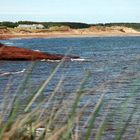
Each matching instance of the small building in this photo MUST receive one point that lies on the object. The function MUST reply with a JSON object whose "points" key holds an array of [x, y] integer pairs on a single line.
{"points": [[33, 26]]}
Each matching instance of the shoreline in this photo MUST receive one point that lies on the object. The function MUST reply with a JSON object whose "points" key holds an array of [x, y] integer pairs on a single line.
{"points": [[64, 35]]}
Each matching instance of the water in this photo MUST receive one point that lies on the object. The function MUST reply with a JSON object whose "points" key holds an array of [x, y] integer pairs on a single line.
{"points": [[113, 64]]}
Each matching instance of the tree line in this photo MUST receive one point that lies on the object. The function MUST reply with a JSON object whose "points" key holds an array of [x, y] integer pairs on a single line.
{"points": [[73, 25]]}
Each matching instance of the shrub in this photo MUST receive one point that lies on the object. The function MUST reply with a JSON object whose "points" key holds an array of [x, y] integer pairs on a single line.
{"points": [[59, 28]]}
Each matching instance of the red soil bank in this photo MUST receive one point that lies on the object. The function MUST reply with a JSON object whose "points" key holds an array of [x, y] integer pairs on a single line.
{"points": [[21, 54]]}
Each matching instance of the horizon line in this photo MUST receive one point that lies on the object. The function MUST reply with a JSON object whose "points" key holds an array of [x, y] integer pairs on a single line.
{"points": [[119, 22]]}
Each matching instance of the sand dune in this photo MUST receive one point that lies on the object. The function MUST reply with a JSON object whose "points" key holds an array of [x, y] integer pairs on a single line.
{"points": [[92, 31]]}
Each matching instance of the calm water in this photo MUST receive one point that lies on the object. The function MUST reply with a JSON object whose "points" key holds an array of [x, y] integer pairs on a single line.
{"points": [[114, 65]]}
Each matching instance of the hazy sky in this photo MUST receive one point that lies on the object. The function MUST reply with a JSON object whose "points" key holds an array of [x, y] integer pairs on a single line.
{"points": [[90, 11]]}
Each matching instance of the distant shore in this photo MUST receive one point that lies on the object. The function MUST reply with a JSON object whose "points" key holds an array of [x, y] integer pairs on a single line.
{"points": [[12, 33], [7, 36]]}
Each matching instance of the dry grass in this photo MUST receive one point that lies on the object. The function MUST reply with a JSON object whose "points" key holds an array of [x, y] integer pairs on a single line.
{"points": [[61, 119]]}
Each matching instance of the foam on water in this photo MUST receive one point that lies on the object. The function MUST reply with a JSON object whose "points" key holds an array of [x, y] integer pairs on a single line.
{"points": [[72, 60], [8, 43], [47, 60], [37, 50], [16, 38], [78, 59], [12, 73]]}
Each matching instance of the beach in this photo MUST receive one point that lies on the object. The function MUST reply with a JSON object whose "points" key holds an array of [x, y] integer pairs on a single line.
{"points": [[87, 32]]}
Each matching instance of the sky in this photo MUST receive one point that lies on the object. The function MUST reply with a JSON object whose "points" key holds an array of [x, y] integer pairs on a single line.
{"points": [[88, 11]]}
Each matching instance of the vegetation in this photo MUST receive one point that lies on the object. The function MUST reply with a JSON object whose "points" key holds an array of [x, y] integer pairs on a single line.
{"points": [[135, 26], [3, 27], [58, 116], [59, 28], [47, 24], [9, 24], [72, 25]]}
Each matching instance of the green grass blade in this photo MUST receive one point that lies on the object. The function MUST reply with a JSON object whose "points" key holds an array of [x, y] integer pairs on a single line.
{"points": [[93, 116]]}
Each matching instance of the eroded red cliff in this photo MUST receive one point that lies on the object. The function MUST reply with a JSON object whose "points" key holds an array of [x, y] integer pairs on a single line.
{"points": [[22, 54]]}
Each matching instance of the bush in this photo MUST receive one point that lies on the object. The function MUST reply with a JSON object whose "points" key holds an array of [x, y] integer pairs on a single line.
{"points": [[59, 28], [9, 24], [3, 27]]}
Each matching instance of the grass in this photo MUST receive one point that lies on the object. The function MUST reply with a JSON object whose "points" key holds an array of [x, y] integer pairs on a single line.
{"points": [[62, 118]]}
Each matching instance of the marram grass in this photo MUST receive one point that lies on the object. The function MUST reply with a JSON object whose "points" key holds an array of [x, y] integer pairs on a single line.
{"points": [[54, 119]]}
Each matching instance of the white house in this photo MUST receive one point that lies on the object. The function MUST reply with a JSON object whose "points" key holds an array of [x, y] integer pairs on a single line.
{"points": [[33, 26]]}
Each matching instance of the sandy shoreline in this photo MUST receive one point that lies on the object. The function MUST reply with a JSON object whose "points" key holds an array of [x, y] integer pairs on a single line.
{"points": [[67, 34]]}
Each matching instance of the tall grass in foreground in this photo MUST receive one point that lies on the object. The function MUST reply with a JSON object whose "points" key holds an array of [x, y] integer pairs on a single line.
{"points": [[62, 117]]}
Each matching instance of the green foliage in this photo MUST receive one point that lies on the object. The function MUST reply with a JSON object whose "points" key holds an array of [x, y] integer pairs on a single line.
{"points": [[72, 25], [3, 27], [59, 28], [129, 25], [46, 24], [9, 24], [49, 113]]}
